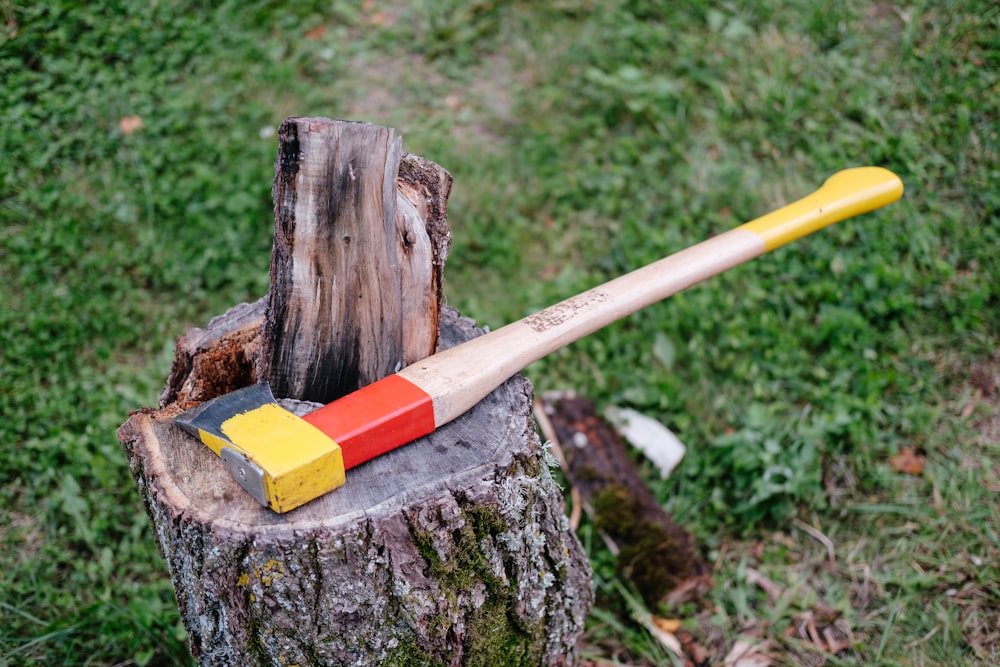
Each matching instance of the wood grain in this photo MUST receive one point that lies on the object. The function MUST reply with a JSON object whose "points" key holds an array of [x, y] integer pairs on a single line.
{"points": [[355, 275], [227, 354], [424, 240]]}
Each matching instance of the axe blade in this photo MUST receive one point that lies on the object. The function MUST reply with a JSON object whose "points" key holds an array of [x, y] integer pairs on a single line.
{"points": [[209, 416], [282, 460]]}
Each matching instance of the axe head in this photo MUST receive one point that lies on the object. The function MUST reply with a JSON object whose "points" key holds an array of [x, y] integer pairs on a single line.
{"points": [[280, 459]]}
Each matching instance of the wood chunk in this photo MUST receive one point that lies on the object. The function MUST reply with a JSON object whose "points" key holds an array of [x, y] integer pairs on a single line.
{"points": [[354, 290], [226, 354], [425, 238]]}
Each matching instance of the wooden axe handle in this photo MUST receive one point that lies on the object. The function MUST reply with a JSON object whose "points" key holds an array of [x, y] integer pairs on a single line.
{"points": [[458, 378], [252, 433]]}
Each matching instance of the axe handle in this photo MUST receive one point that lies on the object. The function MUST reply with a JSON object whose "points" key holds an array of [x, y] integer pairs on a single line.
{"points": [[252, 433], [460, 377]]}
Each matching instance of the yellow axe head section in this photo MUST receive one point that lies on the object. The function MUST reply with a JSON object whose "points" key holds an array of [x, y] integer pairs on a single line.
{"points": [[280, 459]]}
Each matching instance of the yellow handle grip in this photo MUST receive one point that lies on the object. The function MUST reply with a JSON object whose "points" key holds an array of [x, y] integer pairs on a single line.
{"points": [[845, 194]]}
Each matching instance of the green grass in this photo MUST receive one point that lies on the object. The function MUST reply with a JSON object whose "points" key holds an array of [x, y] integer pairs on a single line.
{"points": [[585, 139]]}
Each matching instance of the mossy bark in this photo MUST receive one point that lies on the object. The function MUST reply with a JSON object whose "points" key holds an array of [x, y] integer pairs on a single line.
{"points": [[654, 553]]}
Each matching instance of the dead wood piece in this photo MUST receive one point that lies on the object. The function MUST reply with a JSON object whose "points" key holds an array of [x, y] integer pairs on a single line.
{"points": [[215, 360], [355, 273], [424, 240], [653, 552]]}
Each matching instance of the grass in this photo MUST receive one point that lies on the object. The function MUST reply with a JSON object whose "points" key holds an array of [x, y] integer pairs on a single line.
{"points": [[585, 139]]}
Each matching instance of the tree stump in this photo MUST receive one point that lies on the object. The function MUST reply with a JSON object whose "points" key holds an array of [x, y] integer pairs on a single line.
{"points": [[451, 550]]}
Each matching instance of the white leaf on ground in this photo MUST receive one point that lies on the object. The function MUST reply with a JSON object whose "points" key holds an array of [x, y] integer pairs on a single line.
{"points": [[745, 654], [649, 436]]}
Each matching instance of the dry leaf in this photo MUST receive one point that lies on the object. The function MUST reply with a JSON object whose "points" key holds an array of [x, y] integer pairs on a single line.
{"points": [[773, 590], [670, 625], [130, 124], [667, 639], [383, 19], [648, 621], [379, 17], [835, 644], [690, 590], [316, 33], [696, 654], [745, 654], [822, 627], [907, 461]]}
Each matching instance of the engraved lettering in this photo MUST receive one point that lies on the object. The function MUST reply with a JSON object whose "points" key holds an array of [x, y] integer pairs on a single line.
{"points": [[564, 311]]}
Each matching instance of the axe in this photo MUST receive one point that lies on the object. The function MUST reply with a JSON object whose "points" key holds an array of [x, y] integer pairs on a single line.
{"points": [[285, 461]]}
